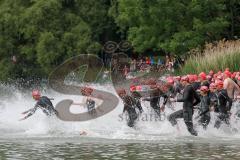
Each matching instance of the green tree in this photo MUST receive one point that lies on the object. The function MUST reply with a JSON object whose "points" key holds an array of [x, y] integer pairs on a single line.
{"points": [[176, 26], [42, 34]]}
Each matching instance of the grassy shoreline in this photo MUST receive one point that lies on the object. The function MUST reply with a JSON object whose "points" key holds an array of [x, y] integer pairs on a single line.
{"points": [[224, 54]]}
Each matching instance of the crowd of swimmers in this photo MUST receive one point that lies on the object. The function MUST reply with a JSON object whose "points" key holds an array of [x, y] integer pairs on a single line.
{"points": [[207, 92]]}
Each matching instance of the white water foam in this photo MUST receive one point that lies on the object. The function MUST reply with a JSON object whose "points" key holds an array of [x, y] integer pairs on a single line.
{"points": [[109, 126]]}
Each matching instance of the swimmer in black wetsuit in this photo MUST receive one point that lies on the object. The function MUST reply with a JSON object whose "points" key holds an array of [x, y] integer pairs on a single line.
{"points": [[129, 107], [224, 105], [90, 103], [190, 99], [173, 89], [176, 89], [204, 107], [137, 96], [43, 103], [154, 96], [213, 97], [154, 99]]}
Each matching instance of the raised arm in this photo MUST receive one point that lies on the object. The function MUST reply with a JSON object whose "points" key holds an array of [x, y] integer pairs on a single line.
{"points": [[30, 112]]}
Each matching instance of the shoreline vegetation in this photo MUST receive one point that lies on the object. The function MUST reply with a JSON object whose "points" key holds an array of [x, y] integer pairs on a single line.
{"points": [[223, 54], [36, 36], [218, 56]]}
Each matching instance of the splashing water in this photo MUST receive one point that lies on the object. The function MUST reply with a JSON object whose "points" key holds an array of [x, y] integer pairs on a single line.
{"points": [[110, 126]]}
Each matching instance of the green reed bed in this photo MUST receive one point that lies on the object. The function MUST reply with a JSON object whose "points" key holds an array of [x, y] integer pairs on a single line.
{"points": [[224, 54]]}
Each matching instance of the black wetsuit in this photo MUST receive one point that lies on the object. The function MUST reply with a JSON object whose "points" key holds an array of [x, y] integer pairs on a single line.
{"points": [[137, 97], [214, 101], [138, 105], [174, 90], [190, 99], [155, 100], [234, 80], [129, 106], [45, 104], [91, 106], [224, 106], [204, 111]]}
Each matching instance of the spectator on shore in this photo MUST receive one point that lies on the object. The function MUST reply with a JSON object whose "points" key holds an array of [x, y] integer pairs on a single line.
{"points": [[148, 61], [133, 65], [139, 64], [152, 60], [169, 63], [125, 71], [167, 60], [159, 62]]}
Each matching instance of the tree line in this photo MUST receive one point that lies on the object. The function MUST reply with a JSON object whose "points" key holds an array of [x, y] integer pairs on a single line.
{"points": [[38, 35]]}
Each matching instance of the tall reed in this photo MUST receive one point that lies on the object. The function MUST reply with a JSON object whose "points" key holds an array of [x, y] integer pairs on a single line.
{"points": [[224, 54]]}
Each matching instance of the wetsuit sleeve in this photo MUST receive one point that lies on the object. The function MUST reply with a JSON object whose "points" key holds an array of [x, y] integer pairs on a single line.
{"points": [[229, 102], [165, 99], [178, 90], [208, 101], [207, 105], [46, 112], [197, 98], [139, 106], [186, 95], [32, 111]]}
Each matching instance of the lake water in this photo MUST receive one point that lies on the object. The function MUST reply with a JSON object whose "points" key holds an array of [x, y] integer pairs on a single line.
{"points": [[91, 148], [108, 137]]}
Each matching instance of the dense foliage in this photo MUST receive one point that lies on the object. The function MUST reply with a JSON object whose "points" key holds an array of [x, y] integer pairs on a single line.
{"points": [[38, 35], [175, 26], [42, 34]]}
